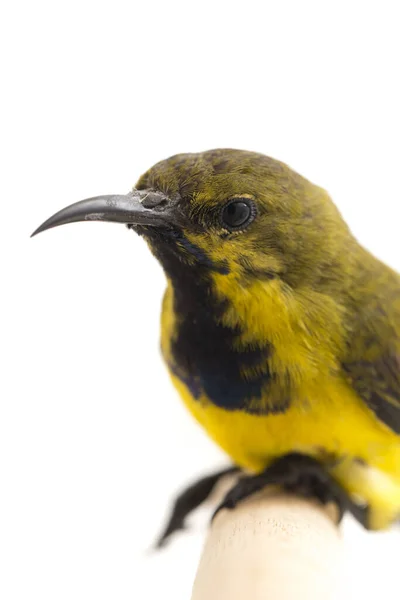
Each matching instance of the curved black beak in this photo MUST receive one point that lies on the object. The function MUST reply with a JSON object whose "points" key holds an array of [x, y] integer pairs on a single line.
{"points": [[140, 207]]}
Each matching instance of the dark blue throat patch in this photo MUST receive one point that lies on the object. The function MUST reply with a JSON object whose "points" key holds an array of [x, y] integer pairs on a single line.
{"points": [[203, 350]]}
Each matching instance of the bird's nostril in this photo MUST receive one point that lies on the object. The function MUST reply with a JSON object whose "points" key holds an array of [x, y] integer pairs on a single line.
{"points": [[152, 199]]}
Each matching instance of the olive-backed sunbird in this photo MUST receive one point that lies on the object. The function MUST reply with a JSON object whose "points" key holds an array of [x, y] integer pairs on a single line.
{"points": [[280, 331]]}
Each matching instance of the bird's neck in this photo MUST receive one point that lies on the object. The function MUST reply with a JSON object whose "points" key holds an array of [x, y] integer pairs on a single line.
{"points": [[216, 315], [206, 353], [250, 312]]}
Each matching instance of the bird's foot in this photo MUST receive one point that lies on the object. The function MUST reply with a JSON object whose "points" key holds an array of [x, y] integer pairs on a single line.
{"points": [[189, 500], [298, 474]]}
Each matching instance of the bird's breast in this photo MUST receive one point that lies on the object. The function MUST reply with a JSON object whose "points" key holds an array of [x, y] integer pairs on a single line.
{"points": [[208, 357]]}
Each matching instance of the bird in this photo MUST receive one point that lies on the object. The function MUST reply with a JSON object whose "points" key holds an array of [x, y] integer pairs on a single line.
{"points": [[280, 331]]}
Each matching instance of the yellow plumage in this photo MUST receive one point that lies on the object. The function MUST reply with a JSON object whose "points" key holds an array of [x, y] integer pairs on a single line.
{"points": [[327, 420]]}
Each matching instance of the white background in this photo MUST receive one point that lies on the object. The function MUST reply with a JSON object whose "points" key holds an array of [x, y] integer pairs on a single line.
{"points": [[94, 441]]}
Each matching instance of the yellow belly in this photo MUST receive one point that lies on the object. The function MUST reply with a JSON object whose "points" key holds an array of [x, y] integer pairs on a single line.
{"points": [[330, 423]]}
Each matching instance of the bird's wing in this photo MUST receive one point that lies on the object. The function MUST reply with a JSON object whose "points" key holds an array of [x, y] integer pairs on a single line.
{"points": [[376, 378]]}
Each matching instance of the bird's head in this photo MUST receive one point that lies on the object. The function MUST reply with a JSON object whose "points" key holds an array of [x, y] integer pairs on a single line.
{"points": [[227, 211]]}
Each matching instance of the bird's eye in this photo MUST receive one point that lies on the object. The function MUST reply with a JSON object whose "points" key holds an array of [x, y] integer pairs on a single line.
{"points": [[238, 213]]}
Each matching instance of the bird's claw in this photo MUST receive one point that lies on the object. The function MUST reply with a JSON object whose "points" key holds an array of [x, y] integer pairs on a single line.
{"points": [[298, 474]]}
